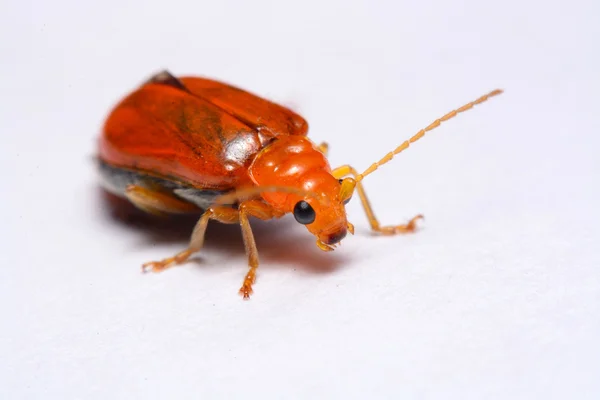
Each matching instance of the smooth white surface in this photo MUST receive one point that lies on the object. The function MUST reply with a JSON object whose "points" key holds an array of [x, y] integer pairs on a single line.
{"points": [[497, 297]]}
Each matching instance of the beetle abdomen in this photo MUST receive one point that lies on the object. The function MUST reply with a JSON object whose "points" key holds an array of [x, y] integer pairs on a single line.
{"points": [[116, 179]]}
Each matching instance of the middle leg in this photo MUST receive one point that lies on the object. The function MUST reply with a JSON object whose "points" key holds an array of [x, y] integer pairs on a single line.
{"points": [[261, 210]]}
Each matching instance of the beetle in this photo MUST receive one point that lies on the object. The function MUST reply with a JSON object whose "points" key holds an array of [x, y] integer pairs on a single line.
{"points": [[189, 144]]}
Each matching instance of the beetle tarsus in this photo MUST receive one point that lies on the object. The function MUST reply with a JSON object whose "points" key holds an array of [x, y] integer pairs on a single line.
{"points": [[246, 289], [154, 266], [159, 266], [410, 227]]}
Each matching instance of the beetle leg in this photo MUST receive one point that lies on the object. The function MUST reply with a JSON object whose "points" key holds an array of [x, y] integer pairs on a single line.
{"points": [[409, 227], [157, 203], [255, 208], [261, 210], [323, 148], [221, 214]]}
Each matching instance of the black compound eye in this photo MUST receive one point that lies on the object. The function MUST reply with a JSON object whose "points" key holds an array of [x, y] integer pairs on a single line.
{"points": [[304, 213]]}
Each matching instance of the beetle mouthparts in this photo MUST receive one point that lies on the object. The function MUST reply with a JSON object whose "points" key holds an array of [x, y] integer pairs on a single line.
{"points": [[324, 246]]}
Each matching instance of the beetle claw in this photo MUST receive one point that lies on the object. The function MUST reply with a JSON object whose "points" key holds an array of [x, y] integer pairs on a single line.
{"points": [[154, 266], [158, 266], [246, 291]]}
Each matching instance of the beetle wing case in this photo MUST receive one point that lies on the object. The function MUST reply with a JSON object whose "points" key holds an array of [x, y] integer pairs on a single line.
{"points": [[198, 131]]}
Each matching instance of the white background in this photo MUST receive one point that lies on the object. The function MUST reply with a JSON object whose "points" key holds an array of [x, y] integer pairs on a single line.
{"points": [[496, 297]]}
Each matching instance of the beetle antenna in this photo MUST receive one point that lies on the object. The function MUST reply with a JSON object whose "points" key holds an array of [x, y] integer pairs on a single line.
{"points": [[388, 157], [249, 192]]}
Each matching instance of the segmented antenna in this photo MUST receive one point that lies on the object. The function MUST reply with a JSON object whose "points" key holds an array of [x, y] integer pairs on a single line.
{"points": [[388, 157]]}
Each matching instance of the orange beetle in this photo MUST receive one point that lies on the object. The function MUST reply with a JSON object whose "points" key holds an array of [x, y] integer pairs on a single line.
{"points": [[182, 145]]}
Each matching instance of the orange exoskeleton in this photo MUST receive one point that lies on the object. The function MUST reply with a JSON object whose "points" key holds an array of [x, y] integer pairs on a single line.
{"points": [[183, 145]]}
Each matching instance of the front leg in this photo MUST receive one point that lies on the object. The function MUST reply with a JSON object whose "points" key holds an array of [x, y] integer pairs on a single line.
{"points": [[261, 210], [409, 227]]}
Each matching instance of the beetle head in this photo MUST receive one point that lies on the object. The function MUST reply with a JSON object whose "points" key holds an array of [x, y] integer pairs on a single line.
{"points": [[325, 215], [312, 195]]}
